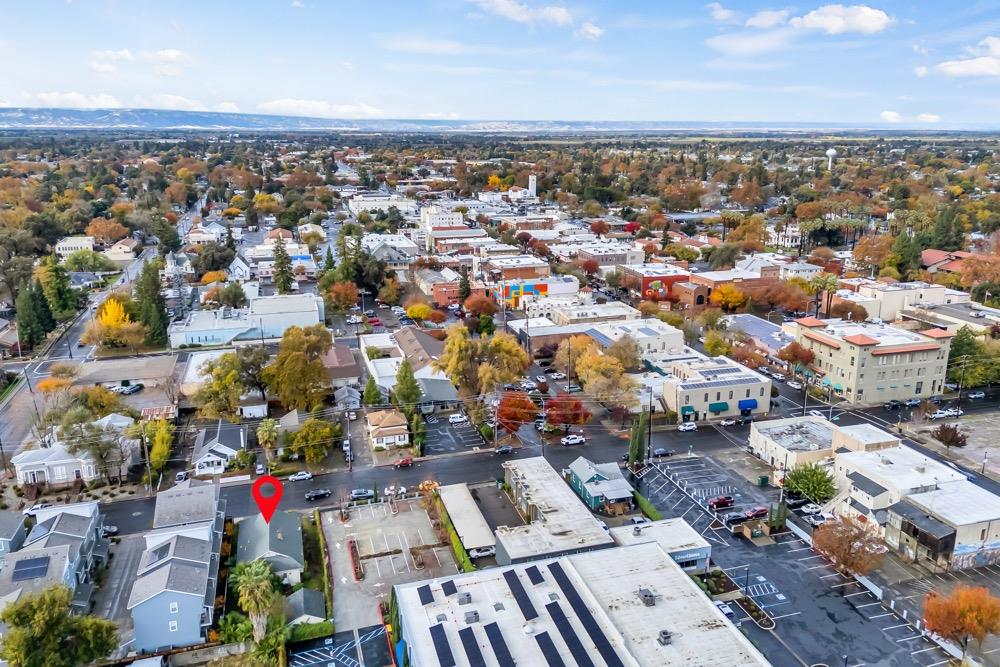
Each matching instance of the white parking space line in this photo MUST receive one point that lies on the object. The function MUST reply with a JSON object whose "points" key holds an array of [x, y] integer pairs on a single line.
{"points": [[791, 551], [818, 567], [850, 595], [794, 613], [906, 639], [924, 650], [810, 557], [872, 618], [846, 583], [870, 604], [901, 625], [827, 576]]}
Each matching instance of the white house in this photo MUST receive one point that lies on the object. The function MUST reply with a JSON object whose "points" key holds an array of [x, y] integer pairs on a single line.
{"points": [[70, 244], [387, 429], [123, 251], [216, 446]]}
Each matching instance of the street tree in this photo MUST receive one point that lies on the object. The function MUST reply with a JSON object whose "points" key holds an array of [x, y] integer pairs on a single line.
{"points": [[516, 409], [566, 410], [964, 615], [812, 481], [371, 395], [40, 631], [716, 344], [419, 312], [297, 375], [88, 260], [727, 296], [314, 439], [268, 436], [850, 544], [637, 439], [479, 304], [569, 352], [343, 295], [627, 352], [406, 393], [56, 285], [282, 268], [950, 435], [219, 395]]}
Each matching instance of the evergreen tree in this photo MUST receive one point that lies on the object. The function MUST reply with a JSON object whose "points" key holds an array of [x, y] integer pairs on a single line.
{"points": [[152, 305], [464, 289], [55, 283], [372, 395], [253, 219], [230, 241], [407, 391], [41, 306], [29, 328], [328, 262], [282, 268]]}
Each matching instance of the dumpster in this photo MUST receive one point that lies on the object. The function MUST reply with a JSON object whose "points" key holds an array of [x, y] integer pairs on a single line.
{"points": [[762, 480]]}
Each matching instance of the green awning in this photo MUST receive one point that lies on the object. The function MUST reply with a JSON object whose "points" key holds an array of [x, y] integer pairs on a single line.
{"points": [[718, 407], [838, 387], [687, 409]]}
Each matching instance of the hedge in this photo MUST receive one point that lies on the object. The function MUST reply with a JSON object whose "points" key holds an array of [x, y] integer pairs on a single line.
{"points": [[461, 555], [304, 631], [327, 589], [646, 507]]}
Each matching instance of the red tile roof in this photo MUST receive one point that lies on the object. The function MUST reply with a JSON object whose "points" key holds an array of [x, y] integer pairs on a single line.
{"points": [[819, 339], [937, 333], [918, 347], [810, 322], [861, 339], [932, 256]]}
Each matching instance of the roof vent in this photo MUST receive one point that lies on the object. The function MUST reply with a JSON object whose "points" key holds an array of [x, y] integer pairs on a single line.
{"points": [[441, 618], [528, 628], [637, 530], [647, 596], [472, 617], [464, 597], [664, 638]]}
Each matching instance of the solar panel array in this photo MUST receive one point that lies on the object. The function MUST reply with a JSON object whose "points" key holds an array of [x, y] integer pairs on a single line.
{"points": [[30, 568], [549, 650], [586, 618], [425, 594], [534, 575], [449, 588], [520, 596], [719, 383], [499, 645], [472, 651], [569, 635], [441, 646]]}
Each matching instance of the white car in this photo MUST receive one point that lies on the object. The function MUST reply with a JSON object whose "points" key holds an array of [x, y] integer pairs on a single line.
{"points": [[818, 520], [573, 440], [725, 609], [482, 552], [727, 422], [541, 379], [954, 412], [457, 419], [301, 476], [30, 511], [778, 376], [354, 319], [811, 508], [940, 414], [687, 426], [816, 413], [977, 394], [351, 416], [528, 385], [793, 384], [558, 376], [453, 307]]}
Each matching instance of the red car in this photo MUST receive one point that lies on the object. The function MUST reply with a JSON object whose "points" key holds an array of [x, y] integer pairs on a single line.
{"points": [[404, 463], [719, 502], [756, 513], [374, 321]]}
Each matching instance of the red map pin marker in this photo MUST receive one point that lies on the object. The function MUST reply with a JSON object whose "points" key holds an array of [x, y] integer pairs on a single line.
{"points": [[267, 504]]}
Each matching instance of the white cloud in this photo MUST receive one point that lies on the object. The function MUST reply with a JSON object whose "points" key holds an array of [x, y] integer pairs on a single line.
{"points": [[839, 19], [297, 107], [986, 61], [122, 54], [166, 56], [101, 68], [891, 116], [919, 49], [721, 14], [920, 71], [928, 117], [589, 30], [72, 100], [522, 13], [750, 43], [297, 4], [768, 18], [227, 107], [425, 46], [168, 101]]}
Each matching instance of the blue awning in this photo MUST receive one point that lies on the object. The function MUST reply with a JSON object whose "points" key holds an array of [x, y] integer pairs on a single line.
{"points": [[748, 404], [838, 387], [687, 409], [825, 382]]}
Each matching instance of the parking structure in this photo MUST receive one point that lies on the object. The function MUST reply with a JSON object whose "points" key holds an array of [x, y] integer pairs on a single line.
{"points": [[817, 610]]}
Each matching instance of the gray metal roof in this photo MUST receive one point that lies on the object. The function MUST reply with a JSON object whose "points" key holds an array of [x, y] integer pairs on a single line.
{"points": [[303, 602], [919, 518], [191, 504], [437, 389], [181, 547], [175, 575], [867, 485], [282, 536], [10, 523]]}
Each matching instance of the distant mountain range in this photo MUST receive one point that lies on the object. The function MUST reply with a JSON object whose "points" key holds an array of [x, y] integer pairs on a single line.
{"points": [[15, 119]]}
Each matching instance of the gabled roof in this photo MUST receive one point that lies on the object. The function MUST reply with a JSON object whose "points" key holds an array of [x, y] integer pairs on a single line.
{"points": [[176, 575], [305, 602], [281, 536], [810, 322], [418, 347], [861, 339], [191, 504], [936, 333]]}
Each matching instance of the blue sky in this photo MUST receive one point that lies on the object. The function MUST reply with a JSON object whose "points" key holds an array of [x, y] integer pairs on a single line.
{"points": [[905, 64]]}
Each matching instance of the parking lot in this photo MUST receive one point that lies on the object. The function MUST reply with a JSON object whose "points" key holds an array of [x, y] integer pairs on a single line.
{"points": [[394, 545], [819, 613], [446, 438], [364, 647]]}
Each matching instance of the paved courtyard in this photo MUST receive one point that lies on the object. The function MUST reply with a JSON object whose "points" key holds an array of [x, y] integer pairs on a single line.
{"points": [[392, 549]]}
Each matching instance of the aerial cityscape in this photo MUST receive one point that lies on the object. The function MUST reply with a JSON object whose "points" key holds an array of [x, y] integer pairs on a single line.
{"points": [[500, 332]]}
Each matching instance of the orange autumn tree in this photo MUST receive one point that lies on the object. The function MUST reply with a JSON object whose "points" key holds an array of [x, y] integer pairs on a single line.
{"points": [[967, 613], [106, 231], [850, 544], [515, 410]]}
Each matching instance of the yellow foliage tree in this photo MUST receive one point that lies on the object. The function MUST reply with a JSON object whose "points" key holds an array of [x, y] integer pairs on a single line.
{"points": [[728, 297], [52, 385], [213, 277], [113, 314]]}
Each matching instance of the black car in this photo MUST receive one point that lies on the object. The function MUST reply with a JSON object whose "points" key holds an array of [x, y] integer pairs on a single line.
{"points": [[792, 502], [316, 494], [894, 404], [503, 450], [660, 451], [734, 518], [362, 494]]}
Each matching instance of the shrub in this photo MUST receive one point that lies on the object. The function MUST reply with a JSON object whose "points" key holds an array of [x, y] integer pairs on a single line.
{"points": [[647, 507], [304, 631]]}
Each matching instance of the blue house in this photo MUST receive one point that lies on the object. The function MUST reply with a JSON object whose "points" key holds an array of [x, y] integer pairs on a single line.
{"points": [[601, 486]]}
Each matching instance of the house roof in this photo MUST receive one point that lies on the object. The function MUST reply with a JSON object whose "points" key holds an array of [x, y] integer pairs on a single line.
{"points": [[305, 602], [810, 322], [182, 547], [177, 576], [282, 535], [339, 362], [37, 569], [861, 339], [862, 483], [937, 333], [437, 389], [190, 504], [926, 347], [601, 480], [232, 436], [418, 347], [10, 523]]}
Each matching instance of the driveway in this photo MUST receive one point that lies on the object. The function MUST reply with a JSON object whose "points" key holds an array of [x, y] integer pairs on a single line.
{"points": [[111, 599]]}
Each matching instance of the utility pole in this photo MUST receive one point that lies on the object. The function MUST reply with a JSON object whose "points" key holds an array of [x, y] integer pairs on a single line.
{"points": [[961, 385], [3, 457], [149, 472], [649, 428]]}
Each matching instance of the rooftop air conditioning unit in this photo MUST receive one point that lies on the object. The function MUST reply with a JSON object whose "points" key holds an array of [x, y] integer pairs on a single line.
{"points": [[647, 596], [472, 617], [465, 597], [664, 638]]}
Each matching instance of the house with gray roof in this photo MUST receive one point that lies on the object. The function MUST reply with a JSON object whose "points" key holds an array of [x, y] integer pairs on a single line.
{"points": [[216, 446], [279, 542], [27, 572], [601, 486], [12, 531], [305, 605], [172, 601]]}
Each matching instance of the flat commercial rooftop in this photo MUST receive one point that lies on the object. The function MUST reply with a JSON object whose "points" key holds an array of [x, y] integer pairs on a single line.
{"points": [[900, 467], [562, 522], [673, 535], [959, 503], [867, 434], [604, 608], [799, 434], [464, 513]]}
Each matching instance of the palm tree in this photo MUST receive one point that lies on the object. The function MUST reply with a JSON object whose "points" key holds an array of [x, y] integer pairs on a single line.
{"points": [[267, 435], [254, 584], [827, 283]]}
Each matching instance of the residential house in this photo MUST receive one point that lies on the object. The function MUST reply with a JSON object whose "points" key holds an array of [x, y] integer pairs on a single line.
{"points": [[347, 398], [217, 445], [70, 244], [12, 531], [341, 366], [305, 605], [943, 261], [387, 429], [410, 343], [10, 342], [278, 542], [84, 279], [123, 251], [601, 486]]}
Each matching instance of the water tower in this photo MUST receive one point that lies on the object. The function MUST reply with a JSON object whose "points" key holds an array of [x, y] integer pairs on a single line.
{"points": [[830, 154]]}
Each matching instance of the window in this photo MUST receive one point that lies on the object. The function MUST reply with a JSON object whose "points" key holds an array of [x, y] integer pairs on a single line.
{"points": [[761, 391], [748, 393], [730, 395], [718, 395], [685, 564], [920, 388], [174, 608], [982, 534], [706, 397], [172, 626]]}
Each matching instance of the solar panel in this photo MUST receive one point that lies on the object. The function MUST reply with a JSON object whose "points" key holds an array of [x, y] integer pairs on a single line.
{"points": [[441, 646], [586, 618], [426, 596], [569, 635], [499, 645], [30, 568], [523, 603], [534, 575], [549, 650], [472, 650], [449, 588]]}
